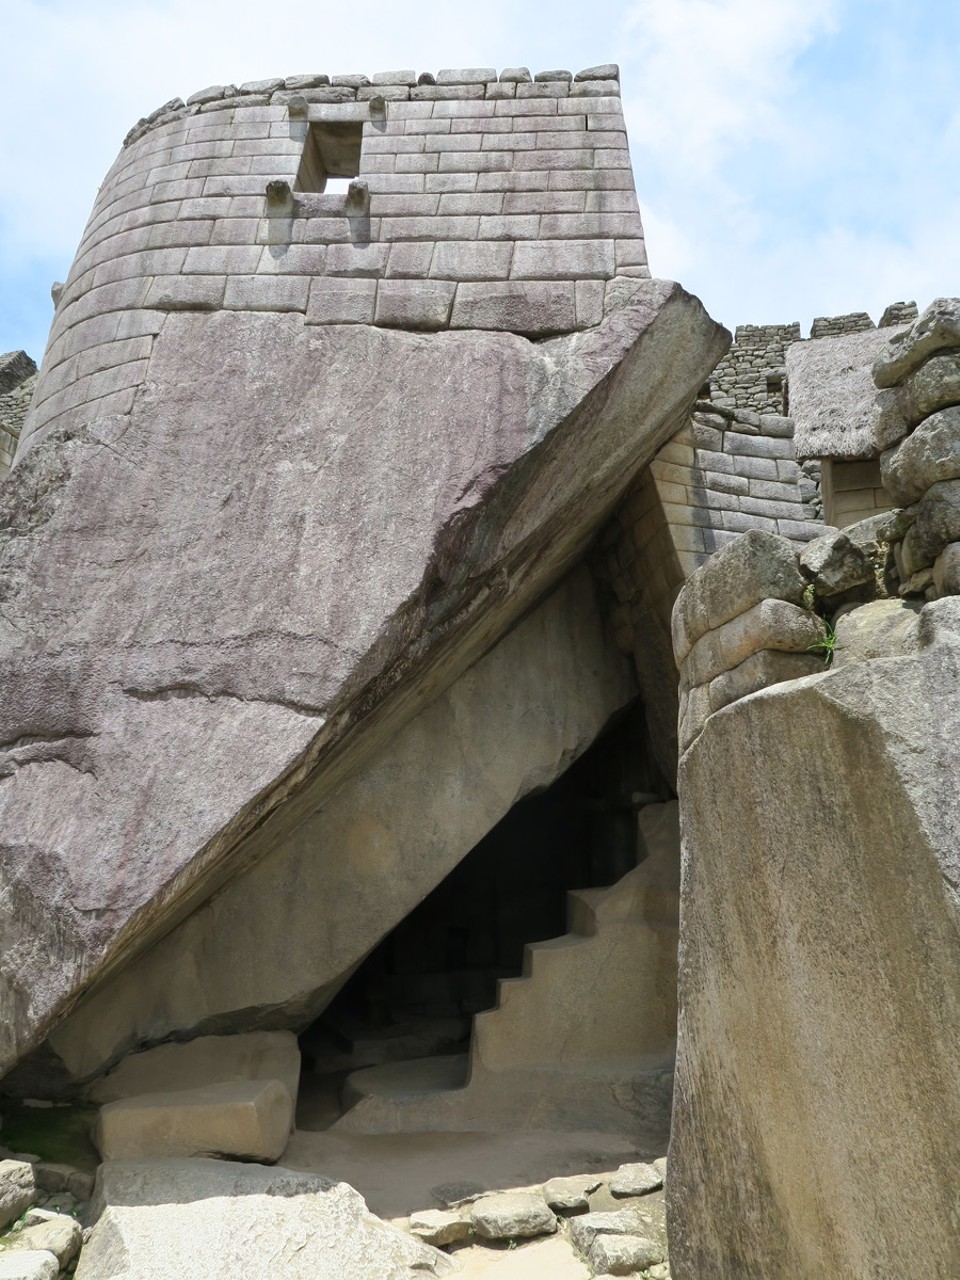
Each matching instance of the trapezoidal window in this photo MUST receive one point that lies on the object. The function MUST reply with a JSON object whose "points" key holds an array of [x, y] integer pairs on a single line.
{"points": [[331, 157]]}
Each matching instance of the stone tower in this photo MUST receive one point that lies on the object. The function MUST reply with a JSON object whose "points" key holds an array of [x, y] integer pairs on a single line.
{"points": [[473, 203]]}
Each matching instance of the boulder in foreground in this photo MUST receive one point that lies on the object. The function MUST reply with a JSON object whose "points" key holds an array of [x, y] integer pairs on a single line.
{"points": [[212, 1220]]}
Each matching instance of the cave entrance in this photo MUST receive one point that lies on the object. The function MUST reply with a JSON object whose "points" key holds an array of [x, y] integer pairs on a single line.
{"points": [[416, 993]]}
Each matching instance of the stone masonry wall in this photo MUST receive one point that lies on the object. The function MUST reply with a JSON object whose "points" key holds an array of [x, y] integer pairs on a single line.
{"points": [[478, 202], [752, 375], [18, 377]]}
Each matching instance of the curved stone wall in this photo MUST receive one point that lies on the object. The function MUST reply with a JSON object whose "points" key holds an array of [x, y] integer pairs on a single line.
{"points": [[478, 202]]}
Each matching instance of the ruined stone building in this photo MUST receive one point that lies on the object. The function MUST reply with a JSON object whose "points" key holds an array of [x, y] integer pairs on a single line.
{"points": [[391, 568]]}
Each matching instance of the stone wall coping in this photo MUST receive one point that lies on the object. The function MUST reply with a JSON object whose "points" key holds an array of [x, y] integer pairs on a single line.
{"points": [[593, 81]]}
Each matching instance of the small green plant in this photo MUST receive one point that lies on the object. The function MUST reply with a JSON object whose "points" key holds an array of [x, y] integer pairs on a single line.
{"points": [[827, 644], [511, 1244]]}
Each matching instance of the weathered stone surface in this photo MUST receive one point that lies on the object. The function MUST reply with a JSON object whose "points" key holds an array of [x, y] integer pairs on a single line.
{"points": [[834, 563], [35, 1264], [635, 1180], [936, 523], [879, 629], [930, 453], [935, 385], [618, 1222], [771, 624], [249, 1119], [833, 400], [624, 1255], [569, 1195], [512, 1215], [57, 1234], [937, 328], [17, 1189], [510, 724], [168, 1219], [819, 1027], [759, 671], [946, 570], [441, 1226], [751, 568], [228, 634], [208, 1060]]}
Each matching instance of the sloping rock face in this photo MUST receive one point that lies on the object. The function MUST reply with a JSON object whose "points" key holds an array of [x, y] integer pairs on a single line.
{"points": [[211, 1218], [294, 539], [295, 463], [274, 945], [820, 1003]]}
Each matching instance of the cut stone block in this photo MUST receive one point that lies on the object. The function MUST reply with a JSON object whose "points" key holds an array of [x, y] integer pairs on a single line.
{"points": [[935, 385], [759, 671], [771, 624], [248, 1119], [532, 308], [930, 453], [414, 304], [752, 568], [207, 1060]]}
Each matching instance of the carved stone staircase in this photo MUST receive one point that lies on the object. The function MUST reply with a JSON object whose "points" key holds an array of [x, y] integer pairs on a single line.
{"points": [[583, 1039]]}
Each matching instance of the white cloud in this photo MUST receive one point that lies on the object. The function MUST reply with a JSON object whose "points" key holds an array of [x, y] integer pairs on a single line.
{"points": [[712, 73]]}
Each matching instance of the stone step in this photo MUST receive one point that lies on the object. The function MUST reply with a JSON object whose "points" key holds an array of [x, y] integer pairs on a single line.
{"points": [[247, 1119], [403, 1081], [352, 1044]]}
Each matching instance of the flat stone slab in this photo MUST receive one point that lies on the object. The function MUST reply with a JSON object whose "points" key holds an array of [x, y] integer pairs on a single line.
{"points": [[251, 1119], [207, 1060]]}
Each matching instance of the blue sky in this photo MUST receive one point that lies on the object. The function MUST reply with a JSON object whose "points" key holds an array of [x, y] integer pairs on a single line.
{"points": [[793, 157]]}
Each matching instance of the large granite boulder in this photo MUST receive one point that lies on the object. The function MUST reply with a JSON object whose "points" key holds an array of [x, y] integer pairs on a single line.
{"points": [[820, 1002], [214, 605], [275, 943], [214, 1220]]}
